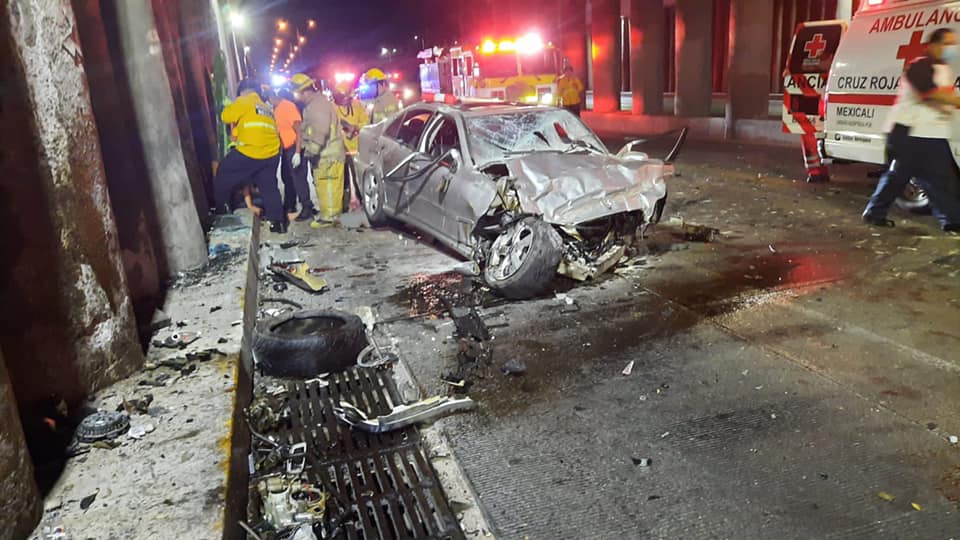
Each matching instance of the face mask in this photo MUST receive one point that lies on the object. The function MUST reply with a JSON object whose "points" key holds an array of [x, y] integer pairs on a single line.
{"points": [[949, 53]]}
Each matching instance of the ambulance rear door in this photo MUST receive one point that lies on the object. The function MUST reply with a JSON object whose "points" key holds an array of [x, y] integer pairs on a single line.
{"points": [[805, 75], [862, 88]]}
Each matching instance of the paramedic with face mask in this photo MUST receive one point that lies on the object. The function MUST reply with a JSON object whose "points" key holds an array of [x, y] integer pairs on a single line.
{"points": [[919, 136]]}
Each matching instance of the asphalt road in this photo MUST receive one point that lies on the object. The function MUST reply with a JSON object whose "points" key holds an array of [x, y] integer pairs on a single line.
{"points": [[786, 379]]}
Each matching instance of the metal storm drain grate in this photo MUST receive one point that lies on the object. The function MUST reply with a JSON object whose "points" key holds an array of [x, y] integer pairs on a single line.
{"points": [[385, 480]]}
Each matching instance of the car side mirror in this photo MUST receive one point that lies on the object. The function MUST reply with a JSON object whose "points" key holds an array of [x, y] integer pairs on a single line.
{"points": [[628, 151], [452, 160]]}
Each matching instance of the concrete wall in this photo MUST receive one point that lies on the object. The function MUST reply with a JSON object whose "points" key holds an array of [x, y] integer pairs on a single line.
{"points": [[694, 23], [18, 491], [138, 227], [751, 38], [66, 320]]}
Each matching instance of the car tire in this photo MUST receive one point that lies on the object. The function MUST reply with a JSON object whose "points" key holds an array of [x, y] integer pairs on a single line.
{"points": [[371, 196], [307, 343], [523, 259], [914, 199]]}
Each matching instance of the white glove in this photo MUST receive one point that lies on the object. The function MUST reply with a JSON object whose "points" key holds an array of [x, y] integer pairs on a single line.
{"points": [[295, 160]]}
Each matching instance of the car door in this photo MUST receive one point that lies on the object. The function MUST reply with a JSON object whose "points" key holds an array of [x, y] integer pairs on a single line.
{"points": [[453, 194], [400, 140]]}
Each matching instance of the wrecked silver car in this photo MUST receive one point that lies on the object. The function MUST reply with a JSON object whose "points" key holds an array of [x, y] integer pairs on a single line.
{"points": [[525, 191]]}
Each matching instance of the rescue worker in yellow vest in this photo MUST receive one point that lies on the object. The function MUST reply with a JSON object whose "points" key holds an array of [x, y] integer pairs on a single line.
{"points": [[353, 117], [255, 158], [569, 90], [386, 103], [322, 144]]}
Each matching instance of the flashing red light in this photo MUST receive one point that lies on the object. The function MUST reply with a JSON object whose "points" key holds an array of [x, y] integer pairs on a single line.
{"points": [[530, 44], [506, 46], [395, 75], [488, 47]]}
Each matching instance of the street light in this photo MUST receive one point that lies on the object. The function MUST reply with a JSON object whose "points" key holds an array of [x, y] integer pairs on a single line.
{"points": [[278, 41], [302, 40], [384, 51], [238, 20], [311, 24], [282, 25]]}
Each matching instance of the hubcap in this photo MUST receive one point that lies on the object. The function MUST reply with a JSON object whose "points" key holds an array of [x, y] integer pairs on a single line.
{"points": [[509, 251], [914, 193]]}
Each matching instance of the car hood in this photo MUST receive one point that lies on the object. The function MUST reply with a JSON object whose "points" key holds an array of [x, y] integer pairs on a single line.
{"points": [[569, 189]]}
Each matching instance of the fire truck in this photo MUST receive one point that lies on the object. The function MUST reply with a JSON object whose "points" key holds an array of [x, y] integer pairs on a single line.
{"points": [[522, 70]]}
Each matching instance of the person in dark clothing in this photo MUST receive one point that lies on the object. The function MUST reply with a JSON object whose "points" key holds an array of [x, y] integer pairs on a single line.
{"points": [[919, 136], [255, 159]]}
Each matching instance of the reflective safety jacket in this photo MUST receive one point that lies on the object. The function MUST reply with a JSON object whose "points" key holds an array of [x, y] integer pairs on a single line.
{"points": [[352, 118], [255, 131]]}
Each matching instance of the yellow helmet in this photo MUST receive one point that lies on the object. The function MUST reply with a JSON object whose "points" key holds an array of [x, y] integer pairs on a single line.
{"points": [[375, 74], [301, 81]]}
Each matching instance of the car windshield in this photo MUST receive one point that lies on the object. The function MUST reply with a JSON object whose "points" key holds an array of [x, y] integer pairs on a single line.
{"points": [[497, 136]]}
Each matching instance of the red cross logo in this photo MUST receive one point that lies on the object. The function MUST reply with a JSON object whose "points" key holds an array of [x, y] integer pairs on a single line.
{"points": [[912, 50], [815, 46]]}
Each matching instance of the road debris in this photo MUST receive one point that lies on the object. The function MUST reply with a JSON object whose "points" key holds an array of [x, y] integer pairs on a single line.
{"points": [[136, 405], [299, 275], [469, 324], [139, 432], [402, 415], [885, 496], [642, 462], [514, 367], [916, 507], [954, 439], [177, 340], [700, 233], [102, 425], [629, 369], [88, 500]]}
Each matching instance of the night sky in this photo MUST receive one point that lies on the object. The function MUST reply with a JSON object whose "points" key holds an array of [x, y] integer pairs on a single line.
{"points": [[350, 34]]}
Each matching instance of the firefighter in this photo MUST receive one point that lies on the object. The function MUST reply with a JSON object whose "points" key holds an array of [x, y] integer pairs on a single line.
{"points": [[322, 144], [255, 158], [352, 117], [386, 103], [570, 89]]}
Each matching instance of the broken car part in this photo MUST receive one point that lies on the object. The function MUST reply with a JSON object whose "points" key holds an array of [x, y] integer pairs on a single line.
{"points": [[177, 340], [402, 415], [526, 185], [700, 233], [305, 344], [469, 324], [300, 276], [102, 425], [288, 502]]}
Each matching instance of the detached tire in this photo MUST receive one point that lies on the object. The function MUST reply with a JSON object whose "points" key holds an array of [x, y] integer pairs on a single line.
{"points": [[308, 343], [524, 259]]}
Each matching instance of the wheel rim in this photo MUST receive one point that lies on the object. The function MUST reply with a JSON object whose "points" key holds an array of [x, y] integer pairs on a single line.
{"points": [[510, 251], [371, 195], [914, 193]]}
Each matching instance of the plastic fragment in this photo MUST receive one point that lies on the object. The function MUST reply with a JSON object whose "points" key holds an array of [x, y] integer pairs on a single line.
{"points": [[885, 496], [916, 507], [954, 439], [629, 369]]}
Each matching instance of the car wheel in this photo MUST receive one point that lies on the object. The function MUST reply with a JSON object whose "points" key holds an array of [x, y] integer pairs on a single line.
{"points": [[373, 195], [523, 259], [914, 199], [307, 343]]}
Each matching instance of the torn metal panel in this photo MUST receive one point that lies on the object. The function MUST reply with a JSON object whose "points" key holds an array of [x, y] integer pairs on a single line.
{"points": [[580, 269], [402, 415], [584, 187]]}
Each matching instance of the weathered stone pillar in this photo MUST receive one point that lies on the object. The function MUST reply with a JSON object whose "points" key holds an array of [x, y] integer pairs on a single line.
{"points": [[18, 491], [182, 237], [66, 322], [748, 70], [646, 55], [605, 32], [694, 22]]}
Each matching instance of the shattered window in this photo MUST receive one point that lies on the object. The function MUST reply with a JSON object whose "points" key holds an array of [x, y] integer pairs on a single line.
{"points": [[498, 136]]}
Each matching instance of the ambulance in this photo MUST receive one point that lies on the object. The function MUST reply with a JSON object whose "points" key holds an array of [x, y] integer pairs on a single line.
{"points": [[880, 40]]}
